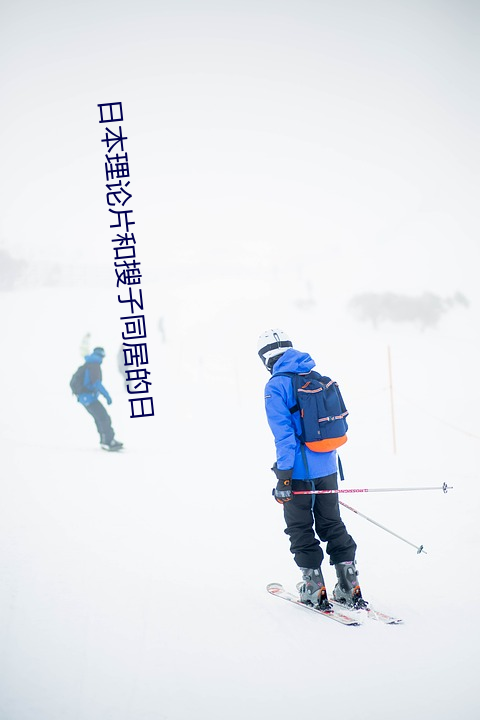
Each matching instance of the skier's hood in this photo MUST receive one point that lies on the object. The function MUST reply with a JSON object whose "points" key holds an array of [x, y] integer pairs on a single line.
{"points": [[93, 358], [293, 361]]}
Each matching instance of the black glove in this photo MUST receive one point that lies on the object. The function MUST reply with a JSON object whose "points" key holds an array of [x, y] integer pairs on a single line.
{"points": [[283, 492]]}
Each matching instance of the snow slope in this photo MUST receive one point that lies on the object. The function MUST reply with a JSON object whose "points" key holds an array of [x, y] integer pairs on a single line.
{"points": [[133, 585], [285, 157]]}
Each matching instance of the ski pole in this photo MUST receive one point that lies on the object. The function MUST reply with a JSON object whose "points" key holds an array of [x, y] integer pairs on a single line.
{"points": [[443, 487], [418, 548]]}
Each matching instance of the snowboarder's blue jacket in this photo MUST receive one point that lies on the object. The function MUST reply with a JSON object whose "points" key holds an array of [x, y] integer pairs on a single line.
{"points": [[285, 426], [93, 381]]}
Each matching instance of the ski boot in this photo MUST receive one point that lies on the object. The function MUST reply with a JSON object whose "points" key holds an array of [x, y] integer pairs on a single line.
{"points": [[347, 590], [312, 589]]}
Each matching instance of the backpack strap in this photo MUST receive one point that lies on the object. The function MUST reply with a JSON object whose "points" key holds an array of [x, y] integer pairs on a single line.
{"points": [[293, 377]]}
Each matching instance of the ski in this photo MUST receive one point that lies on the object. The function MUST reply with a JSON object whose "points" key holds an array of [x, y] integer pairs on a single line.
{"points": [[337, 614], [371, 613]]}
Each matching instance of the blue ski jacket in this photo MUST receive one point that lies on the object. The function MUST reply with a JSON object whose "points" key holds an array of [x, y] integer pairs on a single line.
{"points": [[93, 381], [285, 426]]}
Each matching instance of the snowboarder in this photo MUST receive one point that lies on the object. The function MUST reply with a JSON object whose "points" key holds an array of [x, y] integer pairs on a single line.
{"points": [[90, 388], [308, 518]]}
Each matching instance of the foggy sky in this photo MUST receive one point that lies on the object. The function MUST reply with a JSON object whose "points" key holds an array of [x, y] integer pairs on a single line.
{"points": [[346, 128]]}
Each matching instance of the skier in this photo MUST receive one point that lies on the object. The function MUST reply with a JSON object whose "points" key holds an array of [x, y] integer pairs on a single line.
{"points": [[299, 468], [88, 397]]}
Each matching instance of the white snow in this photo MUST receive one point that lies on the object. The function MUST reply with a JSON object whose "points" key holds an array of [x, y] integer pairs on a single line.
{"points": [[284, 158], [133, 585]]}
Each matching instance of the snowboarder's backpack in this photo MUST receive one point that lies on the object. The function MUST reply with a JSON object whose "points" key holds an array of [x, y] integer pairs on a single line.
{"points": [[322, 411], [78, 378]]}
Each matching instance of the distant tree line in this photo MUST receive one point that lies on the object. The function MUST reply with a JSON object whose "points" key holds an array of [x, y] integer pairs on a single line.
{"points": [[426, 309]]}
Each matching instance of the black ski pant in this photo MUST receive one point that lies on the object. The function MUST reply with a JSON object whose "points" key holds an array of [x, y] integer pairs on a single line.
{"points": [[310, 517], [102, 421]]}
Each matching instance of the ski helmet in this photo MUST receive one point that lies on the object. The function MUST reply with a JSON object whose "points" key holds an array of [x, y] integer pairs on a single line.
{"points": [[99, 351], [271, 344]]}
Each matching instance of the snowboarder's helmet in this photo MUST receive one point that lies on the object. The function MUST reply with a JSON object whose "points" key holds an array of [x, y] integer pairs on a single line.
{"points": [[99, 351], [271, 344]]}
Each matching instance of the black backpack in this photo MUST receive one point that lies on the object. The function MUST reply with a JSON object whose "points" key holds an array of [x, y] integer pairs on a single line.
{"points": [[78, 378]]}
